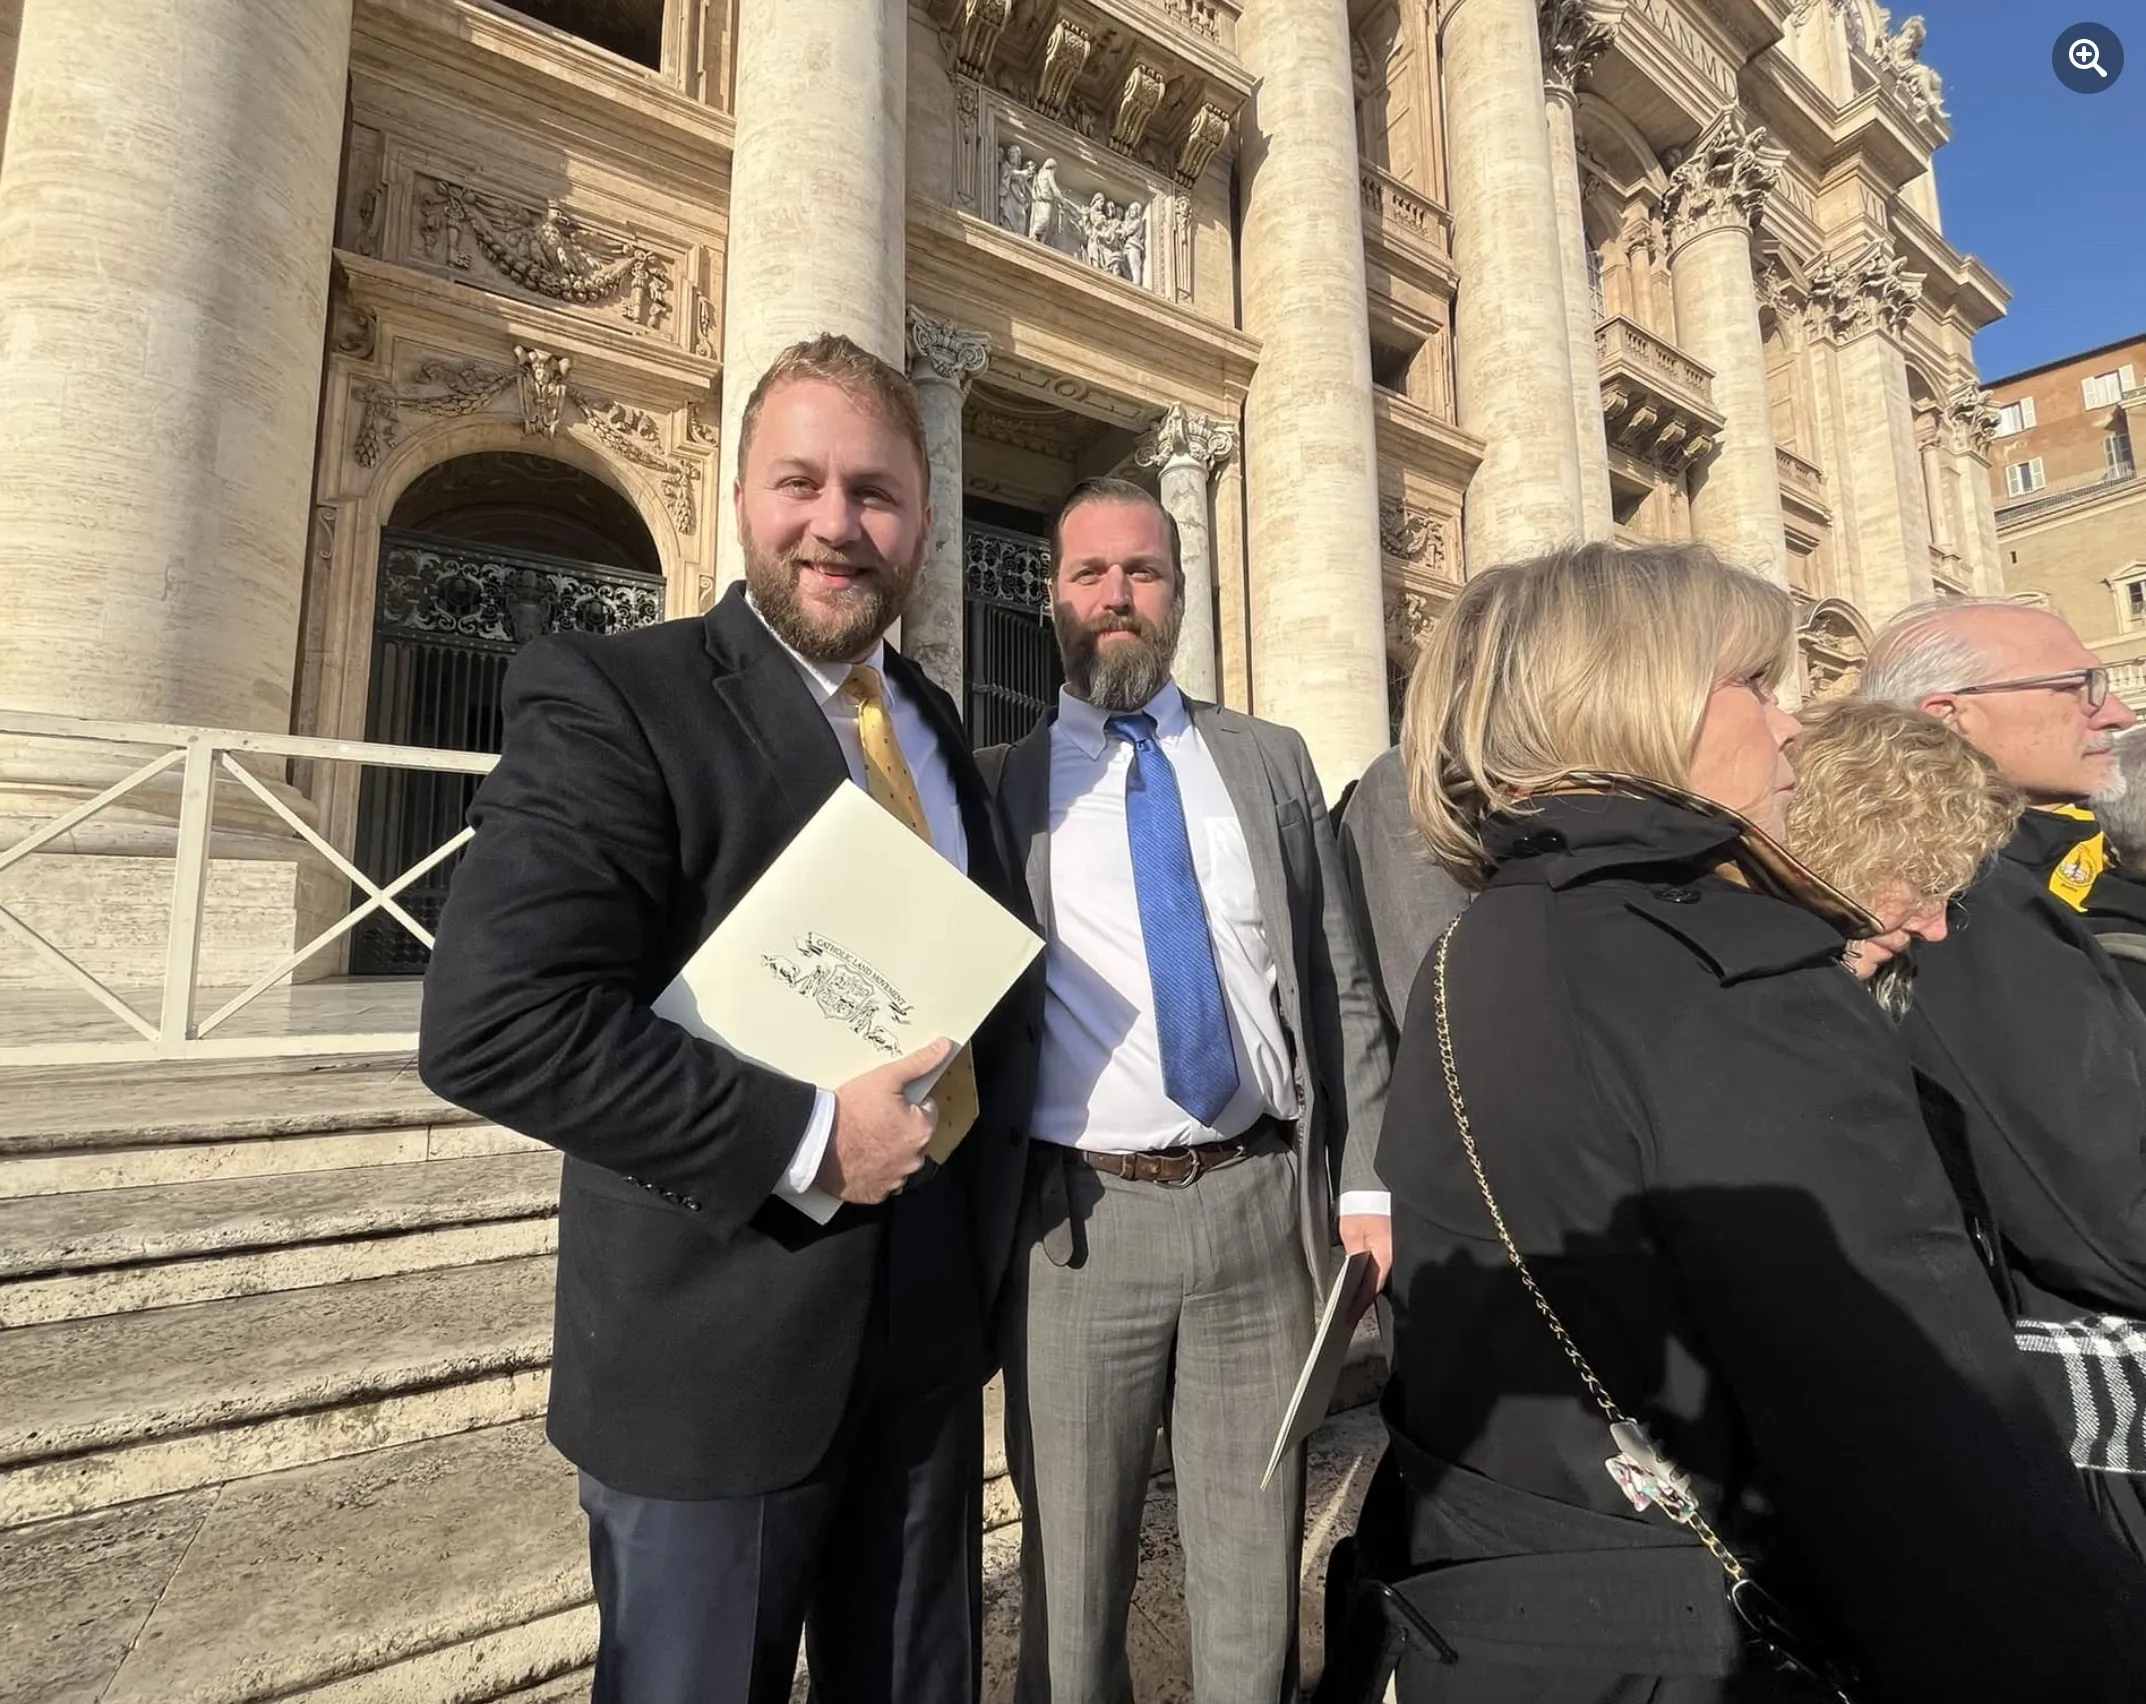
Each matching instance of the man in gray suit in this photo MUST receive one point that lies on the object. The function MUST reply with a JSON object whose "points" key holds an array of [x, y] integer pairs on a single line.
{"points": [[1403, 898], [1213, 1071]]}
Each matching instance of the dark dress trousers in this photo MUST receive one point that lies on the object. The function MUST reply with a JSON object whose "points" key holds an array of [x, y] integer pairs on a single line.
{"points": [[1705, 1138], [747, 1393]]}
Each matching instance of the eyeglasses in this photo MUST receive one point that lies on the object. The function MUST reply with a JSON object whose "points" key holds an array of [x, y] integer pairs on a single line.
{"points": [[2094, 683]]}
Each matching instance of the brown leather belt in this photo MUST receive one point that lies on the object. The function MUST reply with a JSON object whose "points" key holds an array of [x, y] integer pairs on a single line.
{"points": [[1182, 1166]]}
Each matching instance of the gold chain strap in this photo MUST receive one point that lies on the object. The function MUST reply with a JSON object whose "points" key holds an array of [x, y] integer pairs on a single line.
{"points": [[1663, 1484]]}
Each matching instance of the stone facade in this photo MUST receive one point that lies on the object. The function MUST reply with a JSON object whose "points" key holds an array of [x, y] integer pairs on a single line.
{"points": [[2070, 512], [1374, 292]]}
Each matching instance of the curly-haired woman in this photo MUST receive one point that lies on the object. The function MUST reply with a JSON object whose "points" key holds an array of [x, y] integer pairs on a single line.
{"points": [[1900, 813]]}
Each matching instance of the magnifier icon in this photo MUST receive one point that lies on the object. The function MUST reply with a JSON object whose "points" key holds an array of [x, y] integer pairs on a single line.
{"points": [[2085, 55]]}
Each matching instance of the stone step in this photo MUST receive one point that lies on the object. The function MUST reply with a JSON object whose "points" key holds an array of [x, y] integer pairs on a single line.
{"points": [[107, 1251], [137, 1405]]}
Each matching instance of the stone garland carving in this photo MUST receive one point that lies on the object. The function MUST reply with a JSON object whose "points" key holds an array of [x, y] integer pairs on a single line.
{"points": [[1031, 201], [1874, 291], [1065, 57], [1185, 434], [1409, 616], [1722, 180], [946, 351], [1972, 416], [1573, 38], [469, 597], [549, 252], [1138, 100], [1410, 535], [455, 390]]}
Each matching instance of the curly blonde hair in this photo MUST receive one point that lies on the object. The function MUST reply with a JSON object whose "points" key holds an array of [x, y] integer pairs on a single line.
{"points": [[1892, 804]]}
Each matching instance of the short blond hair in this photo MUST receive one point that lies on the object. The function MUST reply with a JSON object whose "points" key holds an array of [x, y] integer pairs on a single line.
{"points": [[840, 361], [1890, 804], [1596, 658]]}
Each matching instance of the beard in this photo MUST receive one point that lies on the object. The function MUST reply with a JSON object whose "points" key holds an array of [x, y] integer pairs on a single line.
{"points": [[1122, 676], [829, 629], [1892, 984]]}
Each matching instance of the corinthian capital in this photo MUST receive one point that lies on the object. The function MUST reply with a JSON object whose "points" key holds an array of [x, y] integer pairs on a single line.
{"points": [[1723, 179], [1573, 38], [1971, 414], [939, 349], [1182, 434], [1873, 292]]}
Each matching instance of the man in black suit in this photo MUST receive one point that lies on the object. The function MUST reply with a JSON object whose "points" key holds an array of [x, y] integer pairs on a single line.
{"points": [[769, 1340]]}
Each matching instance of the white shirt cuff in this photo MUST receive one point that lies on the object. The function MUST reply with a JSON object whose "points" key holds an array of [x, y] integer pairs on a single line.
{"points": [[1355, 1201], [796, 1185]]}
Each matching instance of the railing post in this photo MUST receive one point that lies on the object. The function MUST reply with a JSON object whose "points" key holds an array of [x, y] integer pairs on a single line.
{"points": [[189, 889]]}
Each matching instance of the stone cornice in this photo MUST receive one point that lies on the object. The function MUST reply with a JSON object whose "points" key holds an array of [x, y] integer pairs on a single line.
{"points": [[470, 58], [1955, 282], [1412, 436]]}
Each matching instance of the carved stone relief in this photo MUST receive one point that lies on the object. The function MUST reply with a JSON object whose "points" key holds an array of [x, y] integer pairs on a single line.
{"points": [[1138, 98], [1203, 140], [1722, 179], [980, 24], [546, 250], [543, 388], [1874, 291], [1410, 535], [1409, 616], [1076, 218], [1573, 38], [1065, 57], [1896, 57]]}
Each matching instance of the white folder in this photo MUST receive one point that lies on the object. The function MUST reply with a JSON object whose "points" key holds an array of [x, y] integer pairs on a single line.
{"points": [[857, 945]]}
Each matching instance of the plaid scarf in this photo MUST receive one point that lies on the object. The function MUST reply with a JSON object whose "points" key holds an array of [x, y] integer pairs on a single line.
{"points": [[2104, 1363]]}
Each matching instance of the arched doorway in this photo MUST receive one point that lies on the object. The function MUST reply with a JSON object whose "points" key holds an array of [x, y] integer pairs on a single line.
{"points": [[481, 555]]}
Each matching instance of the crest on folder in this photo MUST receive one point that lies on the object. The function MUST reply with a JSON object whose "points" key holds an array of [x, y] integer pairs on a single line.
{"points": [[845, 988]]}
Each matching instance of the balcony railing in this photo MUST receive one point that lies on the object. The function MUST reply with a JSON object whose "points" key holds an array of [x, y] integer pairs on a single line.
{"points": [[1397, 208], [1800, 478], [1657, 402], [207, 758], [2128, 681], [1620, 339]]}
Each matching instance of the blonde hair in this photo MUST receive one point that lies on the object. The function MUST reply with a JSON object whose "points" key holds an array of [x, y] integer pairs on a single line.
{"points": [[1598, 657], [854, 369], [1892, 803]]}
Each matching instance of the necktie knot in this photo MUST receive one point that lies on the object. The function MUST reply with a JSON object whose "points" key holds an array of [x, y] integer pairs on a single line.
{"points": [[1138, 729], [863, 686]]}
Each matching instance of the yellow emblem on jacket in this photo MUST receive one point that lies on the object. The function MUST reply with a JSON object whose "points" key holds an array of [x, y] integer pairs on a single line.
{"points": [[2073, 878]]}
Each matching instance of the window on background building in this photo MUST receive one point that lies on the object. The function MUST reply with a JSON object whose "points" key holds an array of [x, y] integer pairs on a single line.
{"points": [[632, 29], [2103, 390], [2023, 476], [2116, 451], [2135, 603], [2015, 417]]}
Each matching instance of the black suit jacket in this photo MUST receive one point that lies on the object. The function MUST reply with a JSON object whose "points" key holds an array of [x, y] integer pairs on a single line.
{"points": [[707, 1334]]}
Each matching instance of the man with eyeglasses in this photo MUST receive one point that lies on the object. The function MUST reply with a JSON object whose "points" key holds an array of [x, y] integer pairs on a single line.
{"points": [[2022, 1016]]}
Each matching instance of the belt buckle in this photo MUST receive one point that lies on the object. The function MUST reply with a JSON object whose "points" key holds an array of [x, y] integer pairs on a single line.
{"points": [[1195, 1167]]}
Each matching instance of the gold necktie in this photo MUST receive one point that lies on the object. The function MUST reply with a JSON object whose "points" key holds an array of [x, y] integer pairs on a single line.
{"points": [[887, 779]]}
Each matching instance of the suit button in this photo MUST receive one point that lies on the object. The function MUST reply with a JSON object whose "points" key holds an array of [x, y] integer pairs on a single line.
{"points": [[1679, 895]]}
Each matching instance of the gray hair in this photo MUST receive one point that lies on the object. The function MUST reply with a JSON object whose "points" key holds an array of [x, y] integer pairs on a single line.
{"points": [[1922, 651], [2120, 807]]}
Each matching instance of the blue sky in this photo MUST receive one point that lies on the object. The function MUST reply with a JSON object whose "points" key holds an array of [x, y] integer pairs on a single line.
{"points": [[2047, 187]]}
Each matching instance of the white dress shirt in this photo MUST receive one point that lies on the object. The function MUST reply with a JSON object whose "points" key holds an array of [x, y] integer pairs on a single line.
{"points": [[934, 778], [1099, 1082]]}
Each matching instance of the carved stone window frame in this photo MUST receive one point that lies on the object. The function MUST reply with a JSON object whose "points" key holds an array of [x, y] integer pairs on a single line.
{"points": [[987, 121]]}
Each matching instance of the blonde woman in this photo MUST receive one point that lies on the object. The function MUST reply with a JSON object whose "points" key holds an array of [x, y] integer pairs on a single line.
{"points": [[1900, 813], [1705, 1151]]}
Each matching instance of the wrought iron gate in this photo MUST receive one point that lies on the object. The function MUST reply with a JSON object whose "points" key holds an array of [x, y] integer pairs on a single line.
{"points": [[1012, 655], [447, 618]]}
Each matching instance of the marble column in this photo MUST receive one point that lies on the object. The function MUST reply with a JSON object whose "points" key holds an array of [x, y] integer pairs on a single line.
{"points": [[817, 235], [1190, 449], [1862, 308], [1970, 425], [166, 208], [1717, 193], [1572, 40], [1936, 479], [1311, 443], [943, 358], [1512, 338]]}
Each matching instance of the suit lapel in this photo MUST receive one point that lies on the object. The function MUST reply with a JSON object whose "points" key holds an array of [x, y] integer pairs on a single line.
{"points": [[1025, 799], [1251, 789], [987, 862], [759, 684]]}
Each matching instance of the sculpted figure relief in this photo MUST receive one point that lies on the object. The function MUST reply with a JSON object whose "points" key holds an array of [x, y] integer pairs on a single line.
{"points": [[1109, 237]]}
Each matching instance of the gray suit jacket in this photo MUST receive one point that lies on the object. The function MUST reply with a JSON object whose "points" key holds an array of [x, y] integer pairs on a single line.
{"points": [[1329, 1008], [1403, 897]]}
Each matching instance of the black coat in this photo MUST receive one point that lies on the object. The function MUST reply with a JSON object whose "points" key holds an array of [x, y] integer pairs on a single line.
{"points": [[2022, 1016], [707, 1333], [2116, 912], [1706, 1140]]}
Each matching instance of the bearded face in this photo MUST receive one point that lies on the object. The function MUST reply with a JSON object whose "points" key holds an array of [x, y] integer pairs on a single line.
{"points": [[1116, 659], [829, 606]]}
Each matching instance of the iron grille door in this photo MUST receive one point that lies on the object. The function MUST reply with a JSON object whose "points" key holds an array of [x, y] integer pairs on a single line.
{"points": [[447, 619], [1013, 667]]}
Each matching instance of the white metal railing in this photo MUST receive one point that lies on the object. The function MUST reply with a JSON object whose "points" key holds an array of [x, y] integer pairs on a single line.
{"points": [[203, 757]]}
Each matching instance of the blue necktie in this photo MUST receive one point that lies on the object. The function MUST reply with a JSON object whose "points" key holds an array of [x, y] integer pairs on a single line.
{"points": [[1199, 1064]]}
